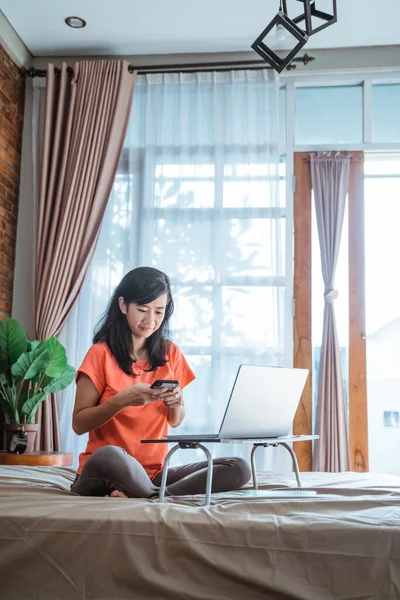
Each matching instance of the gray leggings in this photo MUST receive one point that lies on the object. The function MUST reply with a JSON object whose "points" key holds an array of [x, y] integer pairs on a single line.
{"points": [[111, 468]]}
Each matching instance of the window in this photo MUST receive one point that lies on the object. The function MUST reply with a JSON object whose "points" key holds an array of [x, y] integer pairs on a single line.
{"points": [[282, 117], [217, 233], [329, 115], [382, 308], [391, 419], [385, 113]]}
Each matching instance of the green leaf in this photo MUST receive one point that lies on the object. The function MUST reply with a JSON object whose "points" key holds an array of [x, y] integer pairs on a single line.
{"points": [[3, 361], [58, 357], [8, 410], [57, 384], [31, 363], [23, 396], [61, 381], [8, 400], [45, 381], [33, 344], [13, 342], [30, 407], [7, 391]]}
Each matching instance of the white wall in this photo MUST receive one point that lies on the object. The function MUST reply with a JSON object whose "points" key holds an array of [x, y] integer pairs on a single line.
{"points": [[23, 294], [25, 266], [383, 393], [383, 352], [384, 442], [13, 43]]}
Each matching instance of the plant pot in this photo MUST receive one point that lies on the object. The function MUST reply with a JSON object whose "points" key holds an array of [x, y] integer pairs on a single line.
{"points": [[31, 429]]}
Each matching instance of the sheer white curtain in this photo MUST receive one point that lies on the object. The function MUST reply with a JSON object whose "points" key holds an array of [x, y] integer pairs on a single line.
{"points": [[197, 196]]}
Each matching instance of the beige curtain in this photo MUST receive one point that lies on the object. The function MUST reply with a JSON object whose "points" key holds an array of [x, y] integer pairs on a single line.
{"points": [[86, 117], [330, 180]]}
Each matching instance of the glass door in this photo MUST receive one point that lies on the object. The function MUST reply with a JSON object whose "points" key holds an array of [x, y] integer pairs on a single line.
{"points": [[382, 310]]}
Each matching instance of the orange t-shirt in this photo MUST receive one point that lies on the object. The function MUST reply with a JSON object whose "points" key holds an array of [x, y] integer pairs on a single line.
{"points": [[133, 423]]}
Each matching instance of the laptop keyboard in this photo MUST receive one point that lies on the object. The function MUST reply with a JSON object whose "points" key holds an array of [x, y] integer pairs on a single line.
{"points": [[199, 436]]}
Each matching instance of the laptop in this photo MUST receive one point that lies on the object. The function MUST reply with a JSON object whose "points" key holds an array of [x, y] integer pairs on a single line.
{"points": [[262, 404]]}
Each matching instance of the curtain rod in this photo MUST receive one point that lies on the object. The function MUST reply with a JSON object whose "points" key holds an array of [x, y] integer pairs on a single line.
{"points": [[352, 158], [189, 67]]}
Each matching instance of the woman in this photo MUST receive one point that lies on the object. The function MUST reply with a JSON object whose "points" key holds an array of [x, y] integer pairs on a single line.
{"points": [[115, 404]]}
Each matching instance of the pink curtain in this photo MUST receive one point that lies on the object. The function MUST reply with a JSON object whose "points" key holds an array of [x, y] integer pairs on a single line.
{"points": [[86, 117], [330, 181]]}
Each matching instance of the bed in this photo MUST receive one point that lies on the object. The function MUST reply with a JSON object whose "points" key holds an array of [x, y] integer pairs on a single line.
{"points": [[343, 545]]}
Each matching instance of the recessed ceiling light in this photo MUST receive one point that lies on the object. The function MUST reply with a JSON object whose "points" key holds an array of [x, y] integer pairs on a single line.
{"points": [[75, 22]]}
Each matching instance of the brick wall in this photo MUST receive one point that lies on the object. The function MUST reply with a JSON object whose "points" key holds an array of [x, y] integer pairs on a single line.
{"points": [[12, 93]]}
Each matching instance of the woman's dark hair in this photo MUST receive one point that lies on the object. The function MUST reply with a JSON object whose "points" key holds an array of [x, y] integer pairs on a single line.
{"points": [[141, 285]]}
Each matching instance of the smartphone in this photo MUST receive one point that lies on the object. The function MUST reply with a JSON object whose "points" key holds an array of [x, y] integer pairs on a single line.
{"points": [[170, 384]]}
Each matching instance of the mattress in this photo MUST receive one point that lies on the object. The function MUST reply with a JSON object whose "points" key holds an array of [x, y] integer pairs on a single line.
{"points": [[343, 545]]}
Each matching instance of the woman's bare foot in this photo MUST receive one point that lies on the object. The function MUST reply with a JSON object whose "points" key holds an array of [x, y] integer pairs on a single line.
{"points": [[116, 494]]}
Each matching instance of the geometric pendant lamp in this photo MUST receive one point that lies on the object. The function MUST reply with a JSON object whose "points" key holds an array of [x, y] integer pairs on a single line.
{"points": [[313, 19], [283, 35]]}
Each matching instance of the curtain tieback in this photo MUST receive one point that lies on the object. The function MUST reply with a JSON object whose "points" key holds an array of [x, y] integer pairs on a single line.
{"points": [[330, 296]]}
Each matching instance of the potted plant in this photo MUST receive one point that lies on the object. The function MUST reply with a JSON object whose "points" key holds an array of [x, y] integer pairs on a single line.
{"points": [[29, 371]]}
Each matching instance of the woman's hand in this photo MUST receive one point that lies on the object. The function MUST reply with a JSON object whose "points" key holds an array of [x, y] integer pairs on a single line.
{"points": [[140, 394], [172, 398]]}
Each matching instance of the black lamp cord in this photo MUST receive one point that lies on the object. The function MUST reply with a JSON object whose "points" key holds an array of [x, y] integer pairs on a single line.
{"points": [[283, 6]]}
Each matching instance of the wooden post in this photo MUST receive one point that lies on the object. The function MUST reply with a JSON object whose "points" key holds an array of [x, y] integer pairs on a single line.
{"points": [[302, 295], [358, 407]]}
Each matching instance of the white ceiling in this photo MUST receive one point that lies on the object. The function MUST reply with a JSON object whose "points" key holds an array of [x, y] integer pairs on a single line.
{"points": [[186, 26]]}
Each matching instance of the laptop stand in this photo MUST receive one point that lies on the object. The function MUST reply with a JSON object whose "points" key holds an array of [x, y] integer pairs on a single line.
{"points": [[261, 443]]}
